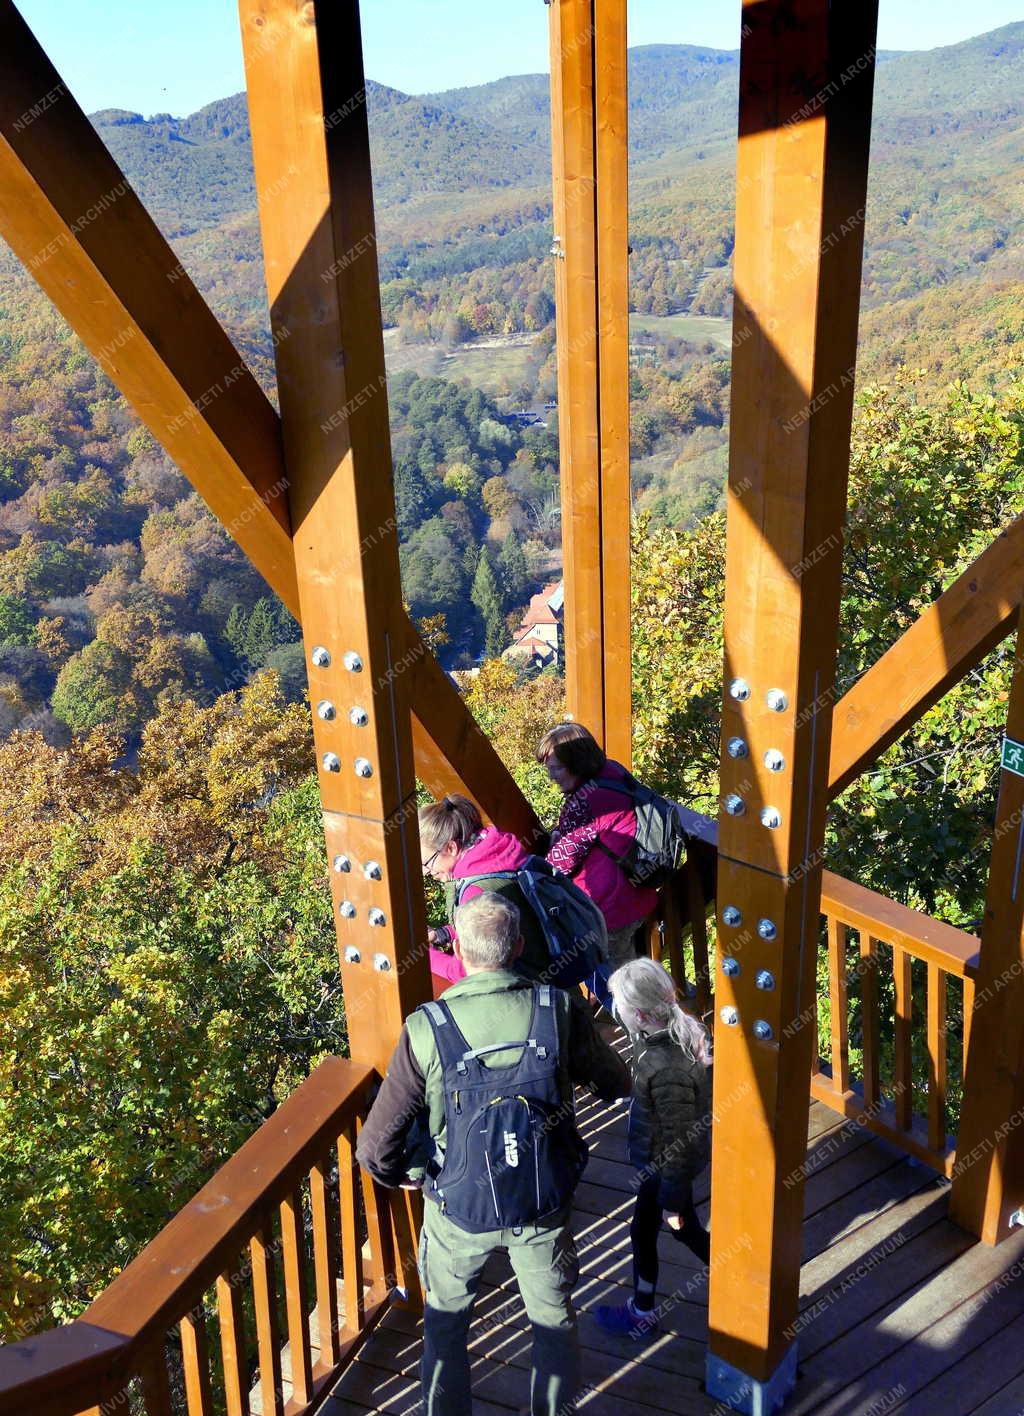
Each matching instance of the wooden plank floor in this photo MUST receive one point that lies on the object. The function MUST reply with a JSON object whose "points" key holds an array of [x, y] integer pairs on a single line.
{"points": [[900, 1311]]}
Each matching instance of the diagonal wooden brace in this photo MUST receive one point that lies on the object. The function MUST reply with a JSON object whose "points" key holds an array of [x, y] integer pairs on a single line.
{"points": [[72, 218]]}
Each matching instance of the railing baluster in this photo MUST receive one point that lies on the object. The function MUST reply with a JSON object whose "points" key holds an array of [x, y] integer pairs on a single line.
{"points": [[232, 1346], [156, 1386], [672, 918], [351, 1248], [295, 1291], [869, 1017], [392, 1222], [268, 1331], [937, 1058], [325, 1266], [195, 1358], [839, 1006], [903, 1081], [968, 1020]]}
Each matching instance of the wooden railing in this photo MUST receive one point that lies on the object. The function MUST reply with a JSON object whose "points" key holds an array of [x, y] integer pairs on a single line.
{"points": [[884, 930], [905, 935], [290, 1205]]}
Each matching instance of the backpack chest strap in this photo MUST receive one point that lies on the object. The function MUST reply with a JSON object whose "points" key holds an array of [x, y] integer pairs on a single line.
{"points": [[454, 1051]]}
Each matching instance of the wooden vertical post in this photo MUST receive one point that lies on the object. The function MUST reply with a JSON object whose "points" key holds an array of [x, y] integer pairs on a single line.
{"points": [[988, 1174], [589, 171], [307, 104], [806, 84]]}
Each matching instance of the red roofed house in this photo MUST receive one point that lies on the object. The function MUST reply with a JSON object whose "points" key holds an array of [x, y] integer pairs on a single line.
{"points": [[538, 638]]}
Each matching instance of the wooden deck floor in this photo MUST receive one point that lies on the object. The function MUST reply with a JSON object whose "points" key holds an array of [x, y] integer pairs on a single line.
{"points": [[900, 1310]]}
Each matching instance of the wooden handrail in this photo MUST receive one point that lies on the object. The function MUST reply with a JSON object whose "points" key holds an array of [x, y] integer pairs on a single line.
{"points": [[66, 1369], [911, 931], [947, 953]]}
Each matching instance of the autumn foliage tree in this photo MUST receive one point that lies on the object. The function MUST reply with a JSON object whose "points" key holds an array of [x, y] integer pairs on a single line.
{"points": [[167, 975]]}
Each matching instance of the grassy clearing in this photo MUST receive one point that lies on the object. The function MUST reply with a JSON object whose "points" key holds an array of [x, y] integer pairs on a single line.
{"points": [[695, 328], [497, 369]]}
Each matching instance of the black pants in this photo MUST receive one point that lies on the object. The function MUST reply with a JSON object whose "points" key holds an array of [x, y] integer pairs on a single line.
{"points": [[644, 1231]]}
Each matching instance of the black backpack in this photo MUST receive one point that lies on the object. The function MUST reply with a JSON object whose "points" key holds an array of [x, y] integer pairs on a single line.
{"points": [[512, 1151], [572, 924], [659, 846]]}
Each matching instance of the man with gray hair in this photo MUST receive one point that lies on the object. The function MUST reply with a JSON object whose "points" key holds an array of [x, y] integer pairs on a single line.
{"points": [[491, 1066]]}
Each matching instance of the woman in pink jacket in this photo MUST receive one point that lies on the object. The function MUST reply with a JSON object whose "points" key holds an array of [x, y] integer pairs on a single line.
{"points": [[455, 845], [595, 829]]}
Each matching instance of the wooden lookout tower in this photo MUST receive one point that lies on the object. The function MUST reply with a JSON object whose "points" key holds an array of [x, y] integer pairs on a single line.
{"points": [[273, 1292]]}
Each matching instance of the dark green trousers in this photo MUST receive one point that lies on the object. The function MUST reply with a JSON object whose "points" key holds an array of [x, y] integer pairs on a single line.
{"points": [[451, 1262]]}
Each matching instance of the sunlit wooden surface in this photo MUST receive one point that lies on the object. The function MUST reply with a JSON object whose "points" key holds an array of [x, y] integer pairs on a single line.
{"points": [[900, 1310]]}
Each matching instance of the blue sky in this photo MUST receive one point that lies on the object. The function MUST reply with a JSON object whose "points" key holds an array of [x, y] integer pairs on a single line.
{"points": [[175, 55]]}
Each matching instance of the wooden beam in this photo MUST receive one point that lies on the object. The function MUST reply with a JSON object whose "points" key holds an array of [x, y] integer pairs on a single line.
{"points": [[71, 217], [589, 158], [949, 638], [611, 127], [988, 1177], [806, 84], [454, 754], [312, 161]]}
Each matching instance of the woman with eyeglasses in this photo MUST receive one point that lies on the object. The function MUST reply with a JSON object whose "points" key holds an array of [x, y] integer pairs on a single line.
{"points": [[455, 845]]}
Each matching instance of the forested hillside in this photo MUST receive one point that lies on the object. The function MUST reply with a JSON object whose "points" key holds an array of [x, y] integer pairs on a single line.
{"points": [[116, 589]]}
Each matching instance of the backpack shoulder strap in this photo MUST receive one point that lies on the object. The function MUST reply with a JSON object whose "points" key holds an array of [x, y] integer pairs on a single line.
{"points": [[464, 881], [448, 1036], [544, 1023]]}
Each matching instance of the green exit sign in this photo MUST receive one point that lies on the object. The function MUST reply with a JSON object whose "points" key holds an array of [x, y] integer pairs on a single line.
{"points": [[1013, 756]]}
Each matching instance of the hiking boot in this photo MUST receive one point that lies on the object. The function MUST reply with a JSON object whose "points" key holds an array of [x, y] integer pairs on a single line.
{"points": [[627, 1320]]}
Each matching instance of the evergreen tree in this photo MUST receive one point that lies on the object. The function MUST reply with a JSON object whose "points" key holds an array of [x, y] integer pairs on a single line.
{"points": [[487, 598], [255, 634], [514, 572]]}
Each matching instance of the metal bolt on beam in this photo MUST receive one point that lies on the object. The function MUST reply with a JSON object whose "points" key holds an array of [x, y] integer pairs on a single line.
{"points": [[771, 817], [763, 1031], [735, 805], [766, 928], [347, 909], [765, 981], [342, 863], [358, 717], [320, 657], [732, 917], [372, 870], [730, 967], [352, 662], [381, 963], [774, 760], [363, 767], [1017, 1219], [352, 955], [377, 917], [737, 748], [729, 1016], [331, 762], [740, 690], [325, 710], [776, 700]]}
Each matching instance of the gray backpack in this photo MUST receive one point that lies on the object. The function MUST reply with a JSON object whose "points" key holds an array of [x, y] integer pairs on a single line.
{"points": [[659, 846]]}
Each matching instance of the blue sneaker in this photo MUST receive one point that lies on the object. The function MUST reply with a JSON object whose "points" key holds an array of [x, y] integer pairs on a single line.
{"points": [[627, 1320]]}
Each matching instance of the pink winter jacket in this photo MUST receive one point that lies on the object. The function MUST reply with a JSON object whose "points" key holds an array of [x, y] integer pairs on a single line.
{"points": [[495, 851], [591, 815]]}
